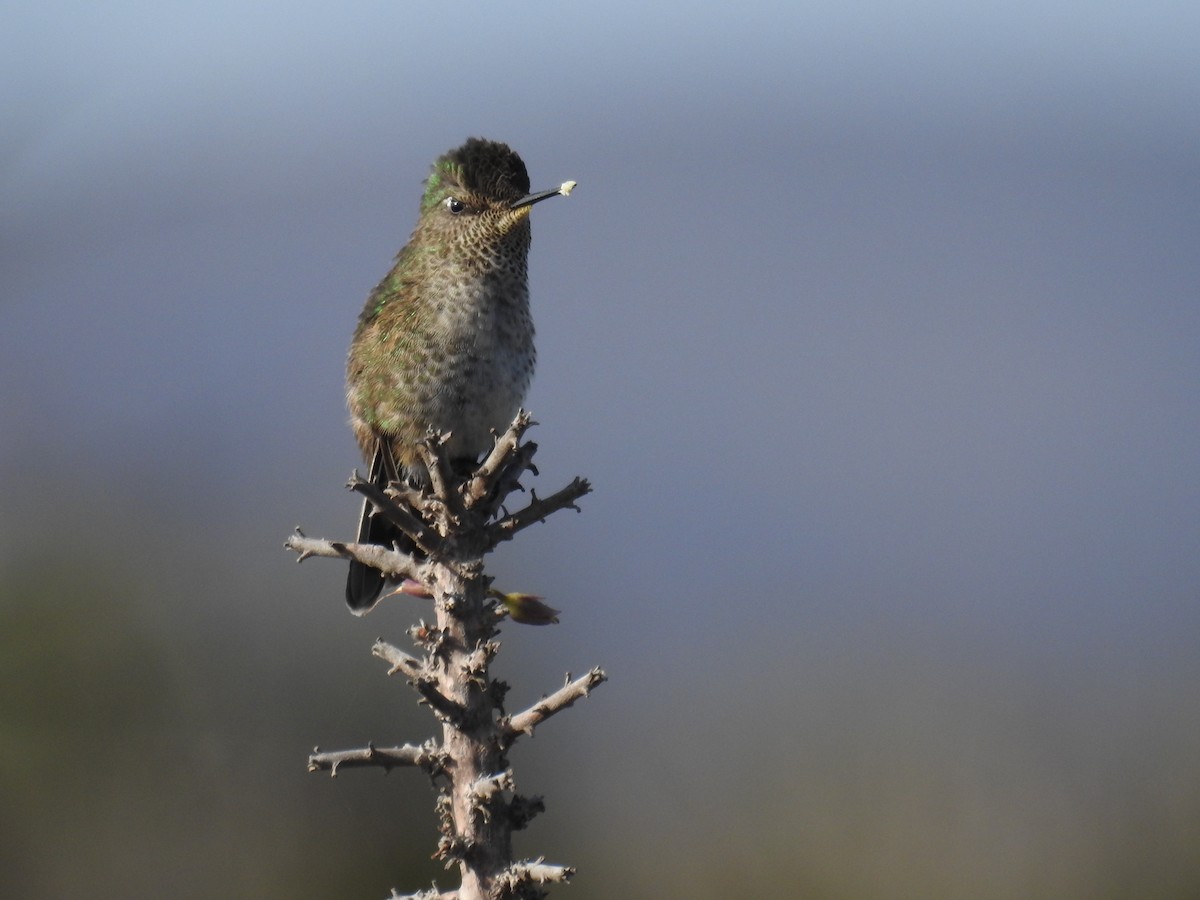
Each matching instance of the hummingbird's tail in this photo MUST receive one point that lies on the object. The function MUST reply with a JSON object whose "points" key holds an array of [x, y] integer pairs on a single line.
{"points": [[364, 584]]}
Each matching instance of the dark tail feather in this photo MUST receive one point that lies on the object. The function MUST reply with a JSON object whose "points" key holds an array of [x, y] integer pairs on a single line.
{"points": [[364, 584]]}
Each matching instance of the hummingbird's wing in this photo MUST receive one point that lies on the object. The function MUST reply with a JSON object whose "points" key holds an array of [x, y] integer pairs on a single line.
{"points": [[363, 583]]}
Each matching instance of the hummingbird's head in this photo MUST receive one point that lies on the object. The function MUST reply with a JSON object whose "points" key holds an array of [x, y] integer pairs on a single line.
{"points": [[485, 170], [478, 194]]}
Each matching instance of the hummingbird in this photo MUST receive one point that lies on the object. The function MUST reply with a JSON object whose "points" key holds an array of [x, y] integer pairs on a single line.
{"points": [[445, 341]]}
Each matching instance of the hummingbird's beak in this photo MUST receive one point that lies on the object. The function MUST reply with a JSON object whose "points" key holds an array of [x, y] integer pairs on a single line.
{"points": [[529, 199]]}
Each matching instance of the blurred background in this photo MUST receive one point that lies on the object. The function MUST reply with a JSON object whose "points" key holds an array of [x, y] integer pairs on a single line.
{"points": [[875, 326]]}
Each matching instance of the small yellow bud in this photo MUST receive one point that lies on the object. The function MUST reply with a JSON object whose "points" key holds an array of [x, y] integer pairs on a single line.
{"points": [[527, 609]]}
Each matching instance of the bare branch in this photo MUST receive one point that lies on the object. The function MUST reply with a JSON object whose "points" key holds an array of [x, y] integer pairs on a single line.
{"points": [[419, 676], [431, 894], [525, 722], [481, 481], [441, 479], [512, 880], [404, 519], [454, 519], [489, 786], [428, 756], [392, 563], [537, 511], [509, 478], [400, 661], [443, 707]]}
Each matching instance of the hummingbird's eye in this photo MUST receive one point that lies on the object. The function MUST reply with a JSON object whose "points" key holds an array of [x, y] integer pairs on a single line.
{"points": [[455, 205]]}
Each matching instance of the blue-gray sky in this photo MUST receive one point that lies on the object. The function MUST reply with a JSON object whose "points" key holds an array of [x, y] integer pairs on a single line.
{"points": [[875, 326]]}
